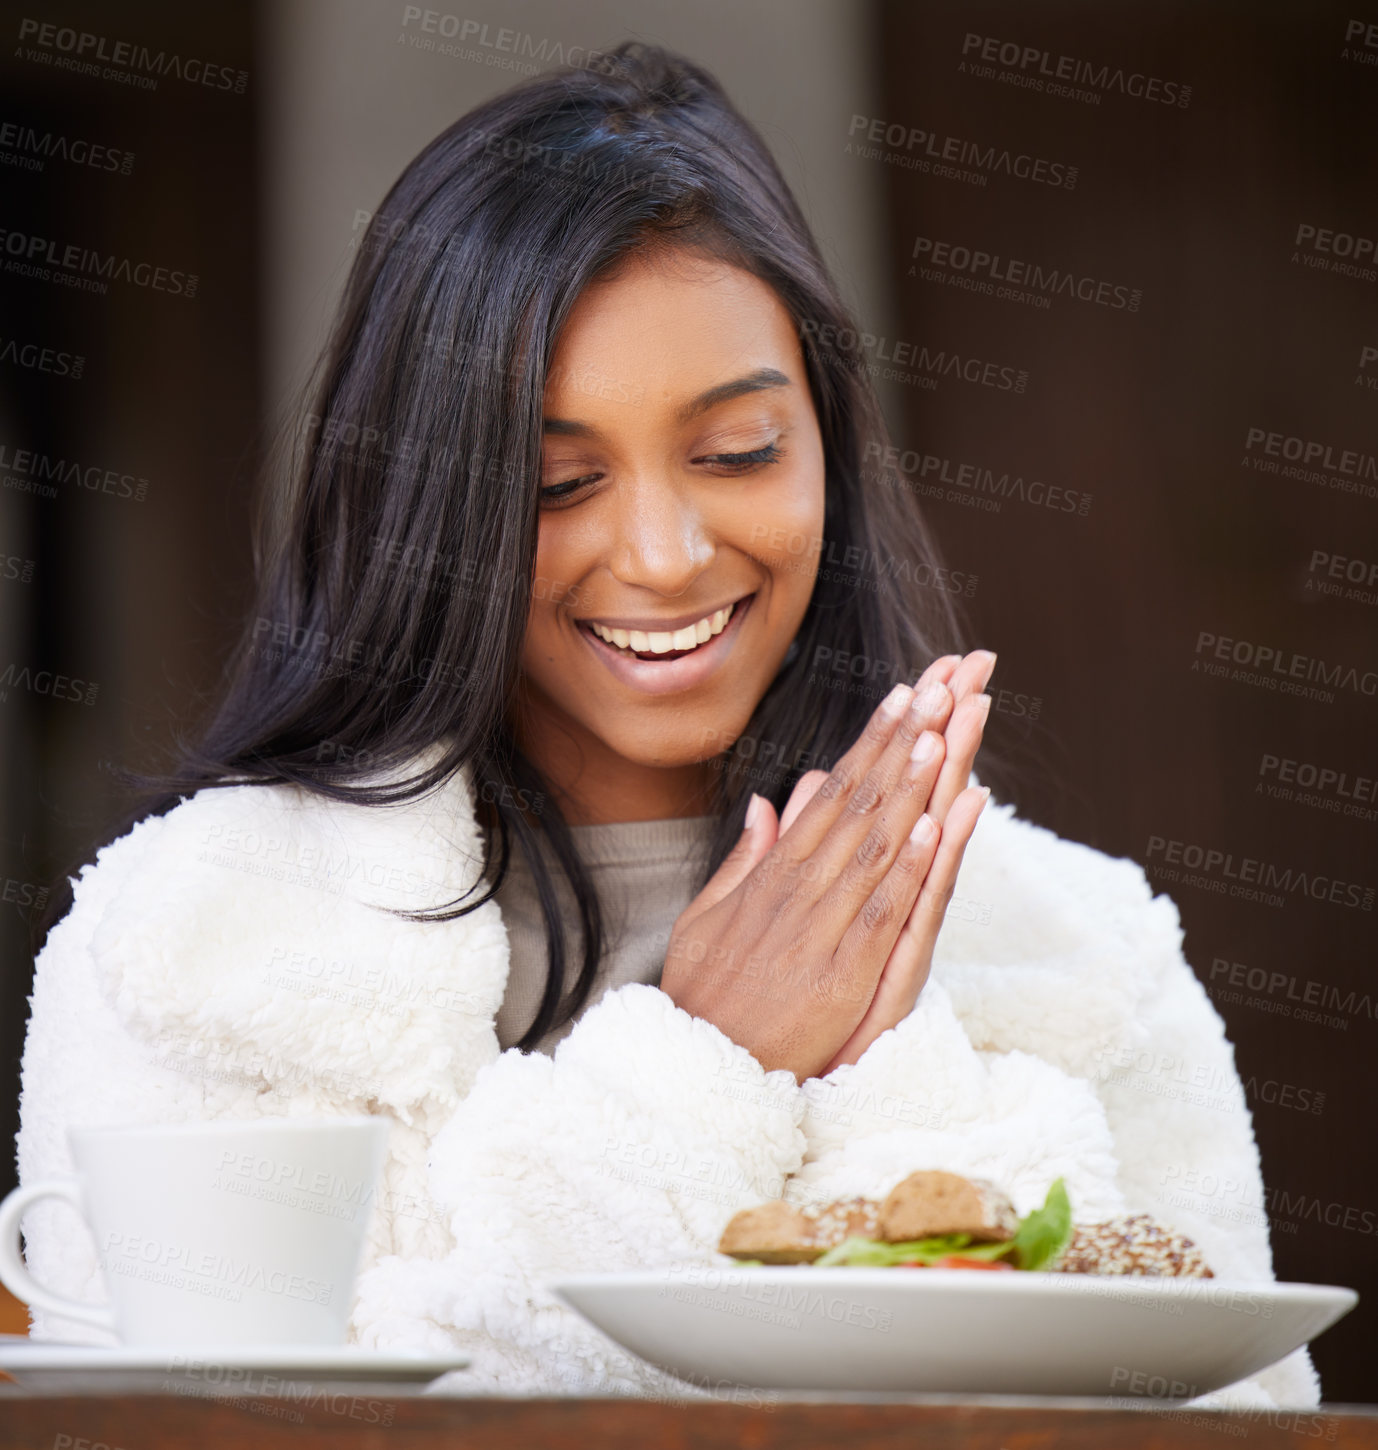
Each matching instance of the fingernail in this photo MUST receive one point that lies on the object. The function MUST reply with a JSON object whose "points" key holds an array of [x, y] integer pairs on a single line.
{"points": [[895, 703], [953, 660], [990, 669], [923, 831], [925, 748], [753, 810], [982, 703]]}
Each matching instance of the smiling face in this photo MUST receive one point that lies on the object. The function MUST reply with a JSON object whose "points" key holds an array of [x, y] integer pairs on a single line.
{"points": [[681, 518]]}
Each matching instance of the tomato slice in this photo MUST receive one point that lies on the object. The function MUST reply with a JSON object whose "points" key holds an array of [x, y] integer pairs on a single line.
{"points": [[960, 1261]]}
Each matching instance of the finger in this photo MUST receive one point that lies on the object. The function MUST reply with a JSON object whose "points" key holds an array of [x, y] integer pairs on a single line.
{"points": [[827, 801], [755, 841], [911, 958], [965, 731], [941, 880], [846, 804], [800, 796], [973, 674], [881, 809], [883, 916]]}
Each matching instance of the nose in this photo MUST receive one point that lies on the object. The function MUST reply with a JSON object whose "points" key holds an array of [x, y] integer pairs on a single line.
{"points": [[662, 541]]}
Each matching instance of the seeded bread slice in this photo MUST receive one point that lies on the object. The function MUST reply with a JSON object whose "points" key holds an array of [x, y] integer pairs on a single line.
{"points": [[779, 1233], [1136, 1244]]}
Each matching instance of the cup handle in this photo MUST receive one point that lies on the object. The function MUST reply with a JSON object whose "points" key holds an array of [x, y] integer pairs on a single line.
{"points": [[14, 1273]]}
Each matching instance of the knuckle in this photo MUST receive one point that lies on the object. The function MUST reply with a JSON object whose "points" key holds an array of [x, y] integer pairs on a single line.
{"points": [[839, 784], [878, 912], [867, 797], [877, 730], [874, 849]]}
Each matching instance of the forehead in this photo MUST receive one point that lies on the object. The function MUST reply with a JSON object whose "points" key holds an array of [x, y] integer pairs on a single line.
{"points": [[671, 323]]}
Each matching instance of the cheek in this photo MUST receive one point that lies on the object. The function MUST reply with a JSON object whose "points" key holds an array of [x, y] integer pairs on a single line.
{"points": [[557, 573], [786, 532]]}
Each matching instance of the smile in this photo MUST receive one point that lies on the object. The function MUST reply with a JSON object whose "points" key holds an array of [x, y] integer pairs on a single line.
{"points": [[661, 661], [661, 642]]}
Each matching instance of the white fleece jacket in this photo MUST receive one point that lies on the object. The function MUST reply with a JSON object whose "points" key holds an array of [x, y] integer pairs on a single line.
{"points": [[227, 960]]}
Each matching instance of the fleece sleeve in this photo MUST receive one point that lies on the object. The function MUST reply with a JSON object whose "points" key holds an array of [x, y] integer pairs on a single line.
{"points": [[1185, 1136], [1083, 1046], [631, 1147]]}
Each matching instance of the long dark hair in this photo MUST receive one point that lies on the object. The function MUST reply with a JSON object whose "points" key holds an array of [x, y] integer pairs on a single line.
{"points": [[396, 563]]}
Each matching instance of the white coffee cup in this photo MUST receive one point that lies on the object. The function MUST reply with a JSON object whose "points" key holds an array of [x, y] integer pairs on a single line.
{"points": [[215, 1233]]}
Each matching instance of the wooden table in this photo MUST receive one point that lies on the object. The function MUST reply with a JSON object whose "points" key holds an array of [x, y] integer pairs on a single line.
{"points": [[794, 1422]]}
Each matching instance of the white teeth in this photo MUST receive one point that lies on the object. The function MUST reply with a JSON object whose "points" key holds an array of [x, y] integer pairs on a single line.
{"points": [[662, 641]]}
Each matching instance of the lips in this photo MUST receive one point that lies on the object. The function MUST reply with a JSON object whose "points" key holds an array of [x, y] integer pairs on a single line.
{"points": [[670, 671]]}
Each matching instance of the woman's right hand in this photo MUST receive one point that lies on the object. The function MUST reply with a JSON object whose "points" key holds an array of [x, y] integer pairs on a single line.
{"points": [[784, 947]]}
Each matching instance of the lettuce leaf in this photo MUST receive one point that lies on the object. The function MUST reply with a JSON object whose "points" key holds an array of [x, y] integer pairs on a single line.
{"points": [[1043, 1234], [876, 1253]]}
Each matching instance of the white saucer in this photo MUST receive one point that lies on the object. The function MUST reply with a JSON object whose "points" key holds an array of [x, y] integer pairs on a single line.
{"points": [[297, 1370]]}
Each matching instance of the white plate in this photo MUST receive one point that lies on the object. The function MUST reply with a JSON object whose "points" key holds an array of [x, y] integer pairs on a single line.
{"points": [[293, 1369], [962, 1331]]}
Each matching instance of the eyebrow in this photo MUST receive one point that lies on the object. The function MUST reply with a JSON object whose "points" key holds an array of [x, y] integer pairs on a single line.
{"points": [[755, 382]]}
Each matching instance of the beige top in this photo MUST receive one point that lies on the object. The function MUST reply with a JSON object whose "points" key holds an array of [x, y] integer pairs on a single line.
{"points": [[645, 873]]}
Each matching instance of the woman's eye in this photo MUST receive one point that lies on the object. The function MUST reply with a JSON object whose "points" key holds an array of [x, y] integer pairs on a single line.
{"points": [[768, 454], [556, 493]]}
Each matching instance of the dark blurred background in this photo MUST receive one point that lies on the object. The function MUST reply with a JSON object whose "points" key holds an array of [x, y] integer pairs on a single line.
{"points": [[1117, 268]]}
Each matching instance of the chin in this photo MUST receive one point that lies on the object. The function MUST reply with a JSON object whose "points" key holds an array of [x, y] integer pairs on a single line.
{"points": [[691, 736]]}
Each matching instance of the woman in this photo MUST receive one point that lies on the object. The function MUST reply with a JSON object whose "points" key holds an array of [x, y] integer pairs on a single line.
{"points": [[583, 527]]}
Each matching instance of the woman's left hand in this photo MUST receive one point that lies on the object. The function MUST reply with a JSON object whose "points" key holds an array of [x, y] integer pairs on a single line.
{"points": [[954, 808]]}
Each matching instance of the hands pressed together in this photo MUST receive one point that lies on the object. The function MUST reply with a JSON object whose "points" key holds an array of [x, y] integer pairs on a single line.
{"points": [[816, 933]]}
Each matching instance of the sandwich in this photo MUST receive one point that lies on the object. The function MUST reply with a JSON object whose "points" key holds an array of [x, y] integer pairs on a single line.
{"points": [[933, 1219]]}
